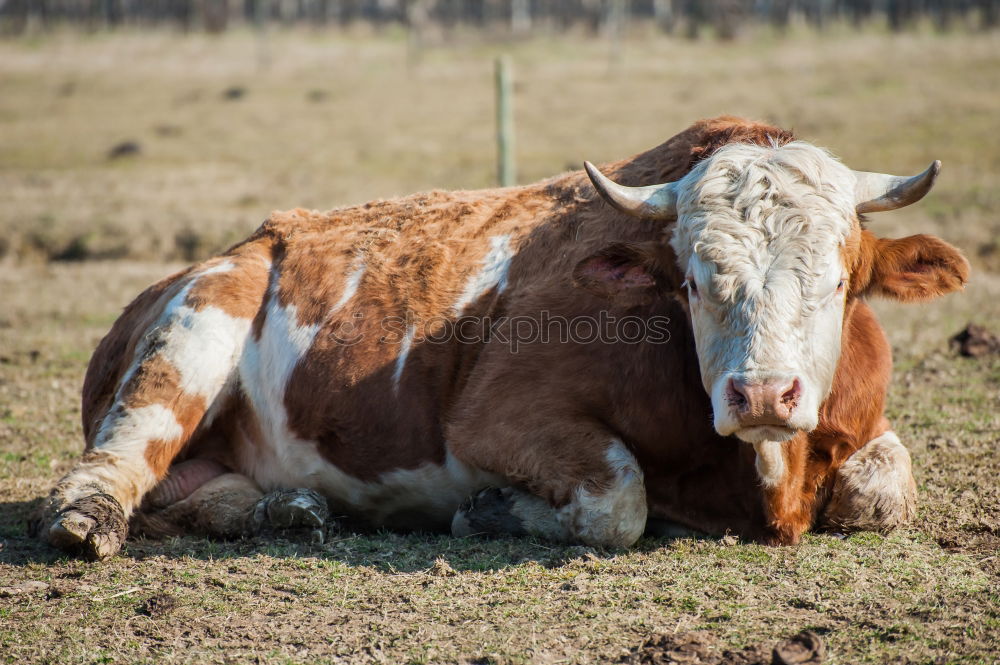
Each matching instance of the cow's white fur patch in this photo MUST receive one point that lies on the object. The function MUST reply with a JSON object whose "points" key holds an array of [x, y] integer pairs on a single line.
{"points": [[404, 352], [264, 369], [204, 346], [154, 421], [770, 463], [350, 287], [760, 232], [492, 273], [615, 517], [218, 268], [176, 311]]}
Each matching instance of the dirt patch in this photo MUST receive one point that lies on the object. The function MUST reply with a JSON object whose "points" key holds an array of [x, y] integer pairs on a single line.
{"points": [[158, 605], [803, 648], [23, 588], [980, 543], [124, 149], [701, 648]]}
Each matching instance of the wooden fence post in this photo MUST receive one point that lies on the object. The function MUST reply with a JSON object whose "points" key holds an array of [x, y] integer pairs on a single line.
{"points": [[506, 168]]}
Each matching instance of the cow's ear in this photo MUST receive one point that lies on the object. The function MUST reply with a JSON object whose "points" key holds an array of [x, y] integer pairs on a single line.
{"points": [[910, 269], [627, 271]]}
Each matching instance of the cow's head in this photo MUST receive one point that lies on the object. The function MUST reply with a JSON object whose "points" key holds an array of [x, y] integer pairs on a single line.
{"points": [[770, 249]]}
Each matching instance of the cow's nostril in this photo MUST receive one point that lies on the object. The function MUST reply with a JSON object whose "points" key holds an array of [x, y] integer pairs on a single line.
{"points": [[735, 395], [791, 396]]}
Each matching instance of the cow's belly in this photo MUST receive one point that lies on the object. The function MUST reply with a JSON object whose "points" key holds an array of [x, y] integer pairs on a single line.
{"points": [[426, 496], [422, 498]]}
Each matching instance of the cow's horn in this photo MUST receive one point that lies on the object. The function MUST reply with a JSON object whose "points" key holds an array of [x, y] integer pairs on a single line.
{"points": [[651, 202], [876, 192]]}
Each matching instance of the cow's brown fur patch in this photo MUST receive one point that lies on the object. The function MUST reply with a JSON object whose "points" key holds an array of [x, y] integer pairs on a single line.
{"points": [[239, 291]]}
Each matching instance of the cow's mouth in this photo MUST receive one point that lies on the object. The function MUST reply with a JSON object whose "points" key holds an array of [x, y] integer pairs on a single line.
{"points": [[761, 433]]}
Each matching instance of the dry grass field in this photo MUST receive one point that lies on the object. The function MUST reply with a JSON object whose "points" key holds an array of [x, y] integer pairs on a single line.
{"points": [[336, 120]]}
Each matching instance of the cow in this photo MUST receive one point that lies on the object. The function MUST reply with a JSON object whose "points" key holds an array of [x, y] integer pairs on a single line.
{"points": [[715, 365]]}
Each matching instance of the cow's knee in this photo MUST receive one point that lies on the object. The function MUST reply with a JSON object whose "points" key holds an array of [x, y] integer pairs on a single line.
{"points": [[613, 514], [874, 489], [607, 514]]}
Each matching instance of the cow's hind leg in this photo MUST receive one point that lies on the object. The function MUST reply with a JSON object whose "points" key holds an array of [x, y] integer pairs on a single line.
{"points": [[226, 506], [222, 508], [610, 512], [179, 363], [874, 489]]}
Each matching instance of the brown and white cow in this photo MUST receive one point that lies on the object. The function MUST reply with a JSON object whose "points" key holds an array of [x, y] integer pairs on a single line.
{"points": [[397, 360]]}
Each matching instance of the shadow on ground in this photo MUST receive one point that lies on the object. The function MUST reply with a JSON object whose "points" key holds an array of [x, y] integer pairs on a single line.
{"points": [[350, 544]]}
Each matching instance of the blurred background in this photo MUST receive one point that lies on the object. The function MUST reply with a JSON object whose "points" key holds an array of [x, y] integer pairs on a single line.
{"points": [[139, 135], [168, 129]]}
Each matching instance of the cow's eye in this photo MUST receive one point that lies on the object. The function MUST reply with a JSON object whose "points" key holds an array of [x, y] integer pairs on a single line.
{"points": [[692, 287], [841, 285]]}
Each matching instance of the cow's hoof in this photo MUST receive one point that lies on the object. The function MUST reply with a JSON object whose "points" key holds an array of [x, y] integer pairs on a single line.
{"points": [[285, 510], [490, 512], [94, 527]]}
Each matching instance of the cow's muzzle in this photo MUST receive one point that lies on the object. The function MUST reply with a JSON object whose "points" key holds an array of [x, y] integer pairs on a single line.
{"points": [[767, 403]]}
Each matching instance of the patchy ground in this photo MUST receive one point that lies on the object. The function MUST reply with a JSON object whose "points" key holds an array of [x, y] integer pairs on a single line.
{"points": [[211, 164]]}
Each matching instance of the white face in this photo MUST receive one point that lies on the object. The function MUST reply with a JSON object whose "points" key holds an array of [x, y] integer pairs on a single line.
{"points": [[759, 236]]}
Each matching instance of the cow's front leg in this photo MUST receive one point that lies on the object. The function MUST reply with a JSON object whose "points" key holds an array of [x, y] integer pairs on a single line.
{"points": [[507, 511], [608, 510], [874, 489]]}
